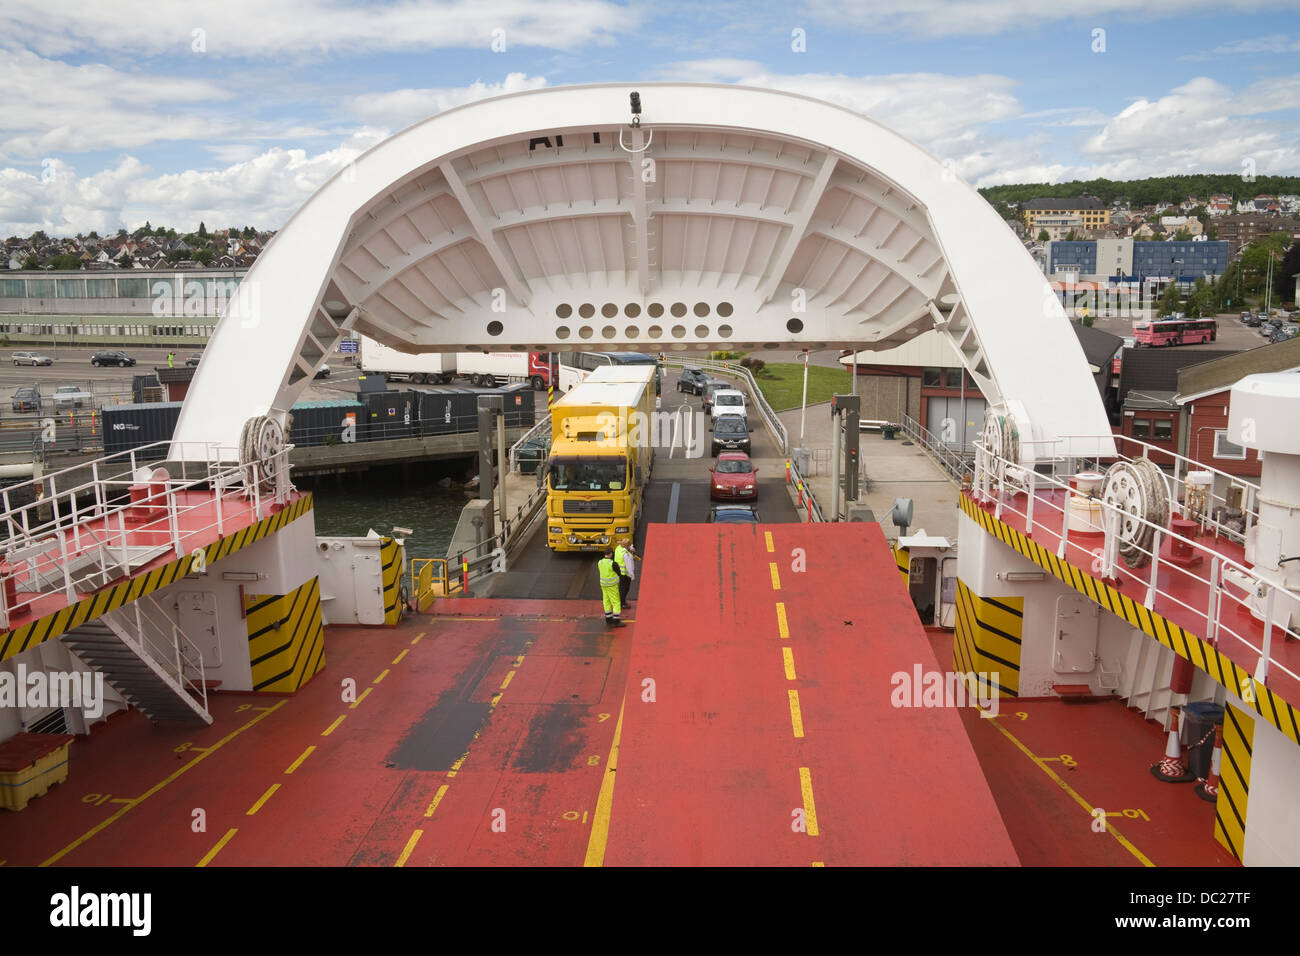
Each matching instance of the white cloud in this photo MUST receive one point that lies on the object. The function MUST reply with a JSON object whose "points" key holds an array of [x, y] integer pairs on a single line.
{"points": [[1273, 43], [398, 109], [939, 18], [314, 28]]}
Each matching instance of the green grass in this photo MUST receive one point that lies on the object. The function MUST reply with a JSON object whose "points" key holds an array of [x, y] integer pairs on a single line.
{"points": [[782, 384]]}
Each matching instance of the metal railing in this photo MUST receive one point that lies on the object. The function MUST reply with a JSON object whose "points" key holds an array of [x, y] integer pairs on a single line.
{"points": [[735, 370], [539, 431], [956, 464], [64, 533], [461, 567], [1012, 487], [158, 637], [807, 501]]}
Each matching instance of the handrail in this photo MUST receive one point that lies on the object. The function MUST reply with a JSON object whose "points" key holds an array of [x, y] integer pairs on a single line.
{"points": [[543, 425], [765, 411], [176, 659]]}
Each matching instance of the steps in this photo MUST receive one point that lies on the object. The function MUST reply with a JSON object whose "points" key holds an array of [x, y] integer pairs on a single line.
{"points": [[157, 687]]}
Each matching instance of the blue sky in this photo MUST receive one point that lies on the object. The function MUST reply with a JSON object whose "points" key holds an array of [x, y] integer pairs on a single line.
{"points": [[234, 112]]}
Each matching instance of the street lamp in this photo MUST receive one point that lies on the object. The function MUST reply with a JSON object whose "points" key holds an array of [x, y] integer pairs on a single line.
{"points": [[803, 408]]}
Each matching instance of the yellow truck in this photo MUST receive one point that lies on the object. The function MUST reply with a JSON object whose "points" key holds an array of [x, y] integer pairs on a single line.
{"points": [[600, 459]]}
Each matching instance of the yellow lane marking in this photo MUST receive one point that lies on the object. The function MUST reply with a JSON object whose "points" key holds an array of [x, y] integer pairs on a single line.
{"points": [[298, 763], [357, 703], [818, 863], [605, 801], [506, 683], [809, 807], [398, 658], [1042, 765], [519, 661], [796, 715], [158, 786], [381, 676], [200, 750], [767, 536], [410, 847], [207, 857], [437, 799], [776, 580], [789, 663], [330, 729], [262, 799], [416, 639], [456, 766], [781, 624]]}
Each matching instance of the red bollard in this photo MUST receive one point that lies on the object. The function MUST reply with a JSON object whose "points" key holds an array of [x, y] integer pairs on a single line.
{"points": [[810, 509], [464, 573], [787, 471]]}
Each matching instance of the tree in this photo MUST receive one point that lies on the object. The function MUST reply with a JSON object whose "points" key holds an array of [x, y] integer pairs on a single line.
{"points": [[203, 257], [1043, 236], [145, 230], [122, 233], [1201, 301], [1182, 235], [66, 261], [31, 262], [203, 230], [92, 234], [1071, 236], [249, 232], [1170, 301], [126, 260], [1284, 272]]}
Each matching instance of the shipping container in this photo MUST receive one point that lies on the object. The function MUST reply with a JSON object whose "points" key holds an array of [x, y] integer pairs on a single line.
{"points": [[130, 426], [447, 411], [519, 401], [327, 422], [392, 415], [146, 388]]}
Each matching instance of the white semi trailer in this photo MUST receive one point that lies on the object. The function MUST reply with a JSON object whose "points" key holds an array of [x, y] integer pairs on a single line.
{"points": [[431, 367]]}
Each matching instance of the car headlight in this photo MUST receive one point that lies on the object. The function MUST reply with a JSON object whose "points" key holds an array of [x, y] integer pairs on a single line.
{"points": [[555, 530], [749, 487]]}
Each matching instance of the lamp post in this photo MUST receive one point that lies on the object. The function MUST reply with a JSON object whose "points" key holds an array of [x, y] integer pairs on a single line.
{"points": [[803, 407]]}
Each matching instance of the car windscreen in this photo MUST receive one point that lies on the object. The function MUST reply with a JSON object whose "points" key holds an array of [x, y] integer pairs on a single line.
{"points": [[729, 426], [728, 400], [732, 467], [588, 474], [735, 517]]}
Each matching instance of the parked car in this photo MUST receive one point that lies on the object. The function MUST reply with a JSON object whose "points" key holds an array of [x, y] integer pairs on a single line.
{"points": [[70, 396], [711, 386], [728, 401], [1251, 320], [111, 358], [193, 359], [1282, 334], [27, 399], [733, 514], [730, 434], [692, 380], [322, 372], [32, 358], [1269, 327], [733, 477]]}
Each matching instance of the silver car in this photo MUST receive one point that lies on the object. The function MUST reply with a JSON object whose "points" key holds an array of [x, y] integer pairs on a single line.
{"points": [[32, 358]]}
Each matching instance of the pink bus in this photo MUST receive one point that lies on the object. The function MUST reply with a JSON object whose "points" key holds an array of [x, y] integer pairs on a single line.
{"points": [[1176, 332]]}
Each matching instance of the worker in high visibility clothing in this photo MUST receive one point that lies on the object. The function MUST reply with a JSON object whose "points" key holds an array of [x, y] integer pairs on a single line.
{"points": [[609, 589], [623, 564]]}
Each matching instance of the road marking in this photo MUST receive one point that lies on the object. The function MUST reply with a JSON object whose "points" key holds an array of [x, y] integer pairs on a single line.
{"points": [[809, 807], [672, 502], [158, 786], [410, 847], [357, 703], [506, 683], [330, 729], [437, 799], [1042, 765], [398, 658], [518, 661], [262, 799], [381, 676], [298, 763], [818, 863], [605, 801], [776, 580], [416, 639], [781, 624], [207, 857], [767, 536], [788, 655], [796, 715]]}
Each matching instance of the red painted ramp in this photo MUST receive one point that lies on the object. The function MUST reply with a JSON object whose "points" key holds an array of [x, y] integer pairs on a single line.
{"points": [[763, 749]]}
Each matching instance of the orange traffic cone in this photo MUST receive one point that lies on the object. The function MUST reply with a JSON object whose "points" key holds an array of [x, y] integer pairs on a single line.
{"points": [[1172, 769], [1208, 789]]}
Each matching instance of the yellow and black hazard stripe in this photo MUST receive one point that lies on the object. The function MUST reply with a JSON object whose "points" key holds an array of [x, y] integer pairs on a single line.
{"points": [[390, 557], [903, 558], [286, 639], [115, 596], [987, 641], [1234, 780], [1182, 642]]}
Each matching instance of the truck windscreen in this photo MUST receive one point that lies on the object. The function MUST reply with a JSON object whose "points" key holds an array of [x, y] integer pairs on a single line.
{"points": [[588, 474]]}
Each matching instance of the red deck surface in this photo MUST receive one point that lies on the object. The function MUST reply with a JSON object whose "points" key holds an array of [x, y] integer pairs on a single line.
{"points": [[710, 772], [1182, 596], [197, 527]]}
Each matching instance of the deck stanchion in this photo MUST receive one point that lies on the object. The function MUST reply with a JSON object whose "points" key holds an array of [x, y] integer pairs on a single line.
{"points": [[1212, 611], [464, 572], [1261, 669]]}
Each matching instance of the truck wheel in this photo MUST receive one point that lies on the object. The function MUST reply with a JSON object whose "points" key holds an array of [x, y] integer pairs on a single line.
{"points": [[537, 383], [418, 378], [448, 379]]}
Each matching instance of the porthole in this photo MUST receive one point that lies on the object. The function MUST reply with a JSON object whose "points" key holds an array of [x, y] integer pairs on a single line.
{"points": [[586, 310], [632, 332], [701, 309], [609, 310], [585, 332], [632, 310], [562, 332], [609, 331], [724, 309], [495, 328], [795, 326], [701, 331], [563, 310], [724, 331], [679, 331], [655, 310], [678, 309], [654, 331]]}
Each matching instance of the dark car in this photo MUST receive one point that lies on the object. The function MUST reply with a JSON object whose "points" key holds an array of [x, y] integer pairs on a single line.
{"points": [[27, 399], [692, 380], [322, 372], [1269, 327], [734, 514], [193, 359], [1281, 334], [733, 477], [111, 358], [730, 434], [1251, 320], [711, 386]]}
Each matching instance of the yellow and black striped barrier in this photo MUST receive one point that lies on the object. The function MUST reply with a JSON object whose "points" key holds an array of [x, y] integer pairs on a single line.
{"points": [[987, 640], [1234, 780], [286, 639]]}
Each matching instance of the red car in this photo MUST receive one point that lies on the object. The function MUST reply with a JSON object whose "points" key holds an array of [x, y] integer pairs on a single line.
{"points": [[733, 477]]}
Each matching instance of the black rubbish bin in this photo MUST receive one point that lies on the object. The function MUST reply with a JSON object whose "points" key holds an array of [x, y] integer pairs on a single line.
{"points": [[887, 431], [1199, 718]]}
